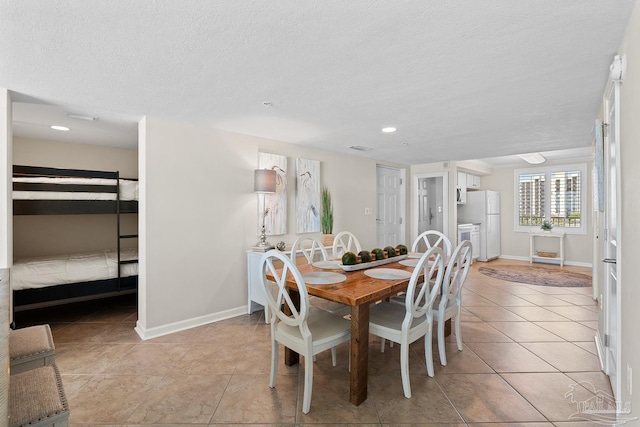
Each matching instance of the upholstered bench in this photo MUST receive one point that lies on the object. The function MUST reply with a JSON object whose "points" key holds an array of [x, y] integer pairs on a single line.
{"points": [[37, 399], [30, 347]]}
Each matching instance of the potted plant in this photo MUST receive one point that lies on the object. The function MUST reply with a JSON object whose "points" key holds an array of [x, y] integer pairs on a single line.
{"points": [[326, 217], [546, 226]]}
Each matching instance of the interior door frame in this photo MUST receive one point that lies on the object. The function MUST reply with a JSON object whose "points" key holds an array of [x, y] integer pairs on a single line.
{"points": [[445, 201]]}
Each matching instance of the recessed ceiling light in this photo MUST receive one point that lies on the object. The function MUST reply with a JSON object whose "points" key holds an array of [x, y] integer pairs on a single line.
{"points": [[389, 129], [56, 127], [533, 158]]}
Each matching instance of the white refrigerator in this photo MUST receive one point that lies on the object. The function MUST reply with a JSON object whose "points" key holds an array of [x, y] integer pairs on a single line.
{"points": [[483, 207]]}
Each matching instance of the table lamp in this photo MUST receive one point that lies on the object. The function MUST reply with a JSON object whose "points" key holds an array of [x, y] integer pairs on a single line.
{"points": [[264, 182]]}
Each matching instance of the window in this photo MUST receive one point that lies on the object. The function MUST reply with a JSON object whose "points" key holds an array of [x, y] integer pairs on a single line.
{"points": [[553, 193]]}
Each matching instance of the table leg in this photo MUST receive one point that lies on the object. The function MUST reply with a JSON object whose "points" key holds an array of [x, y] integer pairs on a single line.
{"points": [[359, 353], [447, 327], [291, 357]]}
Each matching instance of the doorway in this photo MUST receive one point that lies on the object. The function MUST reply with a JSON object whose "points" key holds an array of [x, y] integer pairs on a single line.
{"points": [[431, 211], [390, 206]]}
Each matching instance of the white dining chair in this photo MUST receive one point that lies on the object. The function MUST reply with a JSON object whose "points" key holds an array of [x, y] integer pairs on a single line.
{"points": [[408, 323], [305, 330], [432, 238], [344, 242], [309, 247], [448, 304]]}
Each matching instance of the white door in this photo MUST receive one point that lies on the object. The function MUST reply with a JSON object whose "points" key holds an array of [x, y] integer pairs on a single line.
{"points": [[389, 211], [430, 210], [611, 295]]}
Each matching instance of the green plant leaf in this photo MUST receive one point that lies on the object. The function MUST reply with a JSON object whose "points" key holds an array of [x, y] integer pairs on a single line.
{"points": [[326, 217]]}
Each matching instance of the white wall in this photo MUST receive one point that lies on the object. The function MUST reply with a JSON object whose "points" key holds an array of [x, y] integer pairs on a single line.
{"points": [[6, 172], [578, 247], [36, 235], [199, 216], [630, 200], [6, 209]]}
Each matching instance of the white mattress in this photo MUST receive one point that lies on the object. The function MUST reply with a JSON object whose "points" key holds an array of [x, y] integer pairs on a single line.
{"points": [[40, 272], [128, 189]]}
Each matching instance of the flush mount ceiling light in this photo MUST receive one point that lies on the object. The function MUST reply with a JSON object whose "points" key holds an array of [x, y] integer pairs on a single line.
{"points": [[359, 148], [532, 158], [57, 127], [389, 129]]}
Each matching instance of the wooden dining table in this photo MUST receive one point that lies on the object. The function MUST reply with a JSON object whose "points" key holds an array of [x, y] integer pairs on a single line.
{"points": [[358, 291]]}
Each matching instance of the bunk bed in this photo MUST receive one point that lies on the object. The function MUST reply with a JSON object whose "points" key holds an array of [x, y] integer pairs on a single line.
{"points": [[43, 281]]}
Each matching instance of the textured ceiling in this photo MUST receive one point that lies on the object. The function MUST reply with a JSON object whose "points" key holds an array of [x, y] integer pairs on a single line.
{"points": [[460, 80]]}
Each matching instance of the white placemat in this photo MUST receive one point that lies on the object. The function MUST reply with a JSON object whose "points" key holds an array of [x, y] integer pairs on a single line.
{"points": [[417, 255], [331, 265], [387, 273], [410, 262], [323, 278]]}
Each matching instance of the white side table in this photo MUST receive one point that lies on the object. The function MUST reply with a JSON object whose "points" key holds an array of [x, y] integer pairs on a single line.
{"points": [[532, 249]]}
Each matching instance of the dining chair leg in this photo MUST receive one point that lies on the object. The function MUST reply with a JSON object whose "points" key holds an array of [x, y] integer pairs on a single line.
{"points": [[267, 317], [334, 356], [308, 384], [404, 369], [458, 331], [382, 344], [274, 362], [428, 356], [441, 349]]}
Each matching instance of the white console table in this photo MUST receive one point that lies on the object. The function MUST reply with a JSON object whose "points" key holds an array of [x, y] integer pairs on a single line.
{"points": [[256, 294], [532, 246]]}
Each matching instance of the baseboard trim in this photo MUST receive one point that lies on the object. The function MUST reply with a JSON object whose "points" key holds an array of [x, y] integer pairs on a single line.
{"points": [[600, 351], [182, 325], [526, 258]]}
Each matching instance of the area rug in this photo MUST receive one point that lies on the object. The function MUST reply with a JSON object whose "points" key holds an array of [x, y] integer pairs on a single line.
{"points": [[533, 275]]}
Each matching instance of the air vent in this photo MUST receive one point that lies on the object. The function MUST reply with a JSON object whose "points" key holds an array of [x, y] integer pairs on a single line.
{"points": [[359, 148], [79, 117]]}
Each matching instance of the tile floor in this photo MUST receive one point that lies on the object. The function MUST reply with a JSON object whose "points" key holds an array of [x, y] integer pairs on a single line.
{"points": [[529, 358]]}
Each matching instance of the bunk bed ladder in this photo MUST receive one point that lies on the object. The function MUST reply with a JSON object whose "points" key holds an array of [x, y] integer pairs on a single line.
{"points": [[121, 236]]}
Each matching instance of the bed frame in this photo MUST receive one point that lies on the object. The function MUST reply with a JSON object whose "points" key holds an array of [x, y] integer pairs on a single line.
{"points": [[61, 294]]}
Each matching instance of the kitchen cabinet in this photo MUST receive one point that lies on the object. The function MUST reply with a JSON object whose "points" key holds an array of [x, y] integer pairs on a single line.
{"points": [[473, 182], [461, 188]]}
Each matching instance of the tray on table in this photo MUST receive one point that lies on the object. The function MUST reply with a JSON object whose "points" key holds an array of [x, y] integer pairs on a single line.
{"points": [[376, 263]]}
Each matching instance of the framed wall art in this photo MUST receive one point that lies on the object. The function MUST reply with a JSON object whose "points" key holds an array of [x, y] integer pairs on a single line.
{"points": [[307, 196], [275, 213]]}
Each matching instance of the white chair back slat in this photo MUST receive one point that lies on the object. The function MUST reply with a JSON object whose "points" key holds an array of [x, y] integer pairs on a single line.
{"points": [[344, 242]]}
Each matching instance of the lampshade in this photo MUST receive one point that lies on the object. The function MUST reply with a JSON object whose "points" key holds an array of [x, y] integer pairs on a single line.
{"points": [[264, 181]]}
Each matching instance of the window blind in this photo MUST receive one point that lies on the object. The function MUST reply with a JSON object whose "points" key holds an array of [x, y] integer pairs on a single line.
{"points": [[565, 201], [531, 199]]}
